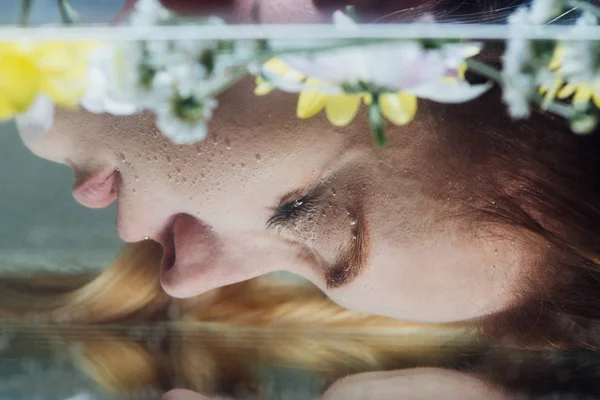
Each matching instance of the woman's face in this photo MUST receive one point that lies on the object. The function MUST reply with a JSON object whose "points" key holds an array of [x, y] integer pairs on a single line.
{"points": [[266, 192]]}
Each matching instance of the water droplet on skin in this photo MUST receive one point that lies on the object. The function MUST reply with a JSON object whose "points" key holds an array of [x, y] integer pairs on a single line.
{"points": [[155, 159], [333, 192], [353, 237], [221, 153], [227, 144], [202, 175], [134, 191], [242, 165], [137, 178], [169, 160], [257, 156], [170, 177], [353, 223], [146, 238], [178, 170], [184, 180]]}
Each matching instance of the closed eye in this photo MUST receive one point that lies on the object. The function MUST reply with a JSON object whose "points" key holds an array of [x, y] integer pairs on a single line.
{"points": [[291, 211]]}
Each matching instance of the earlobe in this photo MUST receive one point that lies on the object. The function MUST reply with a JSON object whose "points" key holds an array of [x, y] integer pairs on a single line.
{"points": [[97, 190]]}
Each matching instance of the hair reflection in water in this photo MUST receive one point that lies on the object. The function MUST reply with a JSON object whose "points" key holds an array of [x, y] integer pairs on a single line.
{"points": [[122, 330]]}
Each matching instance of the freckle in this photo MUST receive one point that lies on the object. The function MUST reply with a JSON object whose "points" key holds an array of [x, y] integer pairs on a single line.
{"points": [[202, 175], [178, 170], [184, 180], [242, 165], [257, 156], [233, 164]]}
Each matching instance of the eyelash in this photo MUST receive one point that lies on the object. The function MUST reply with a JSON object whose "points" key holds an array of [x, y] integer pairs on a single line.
{"points": [[290, 211]]}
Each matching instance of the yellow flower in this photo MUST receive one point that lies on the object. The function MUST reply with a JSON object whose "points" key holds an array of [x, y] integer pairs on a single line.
{"points": [[582, 93], [340, 109], [58, 70]]}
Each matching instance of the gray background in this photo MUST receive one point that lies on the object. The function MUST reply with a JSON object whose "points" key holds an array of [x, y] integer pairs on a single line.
{"points": [[42, 226]]}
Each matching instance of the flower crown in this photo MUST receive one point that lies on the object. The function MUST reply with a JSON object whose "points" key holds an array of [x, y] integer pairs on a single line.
{"points": [[170, 67]]}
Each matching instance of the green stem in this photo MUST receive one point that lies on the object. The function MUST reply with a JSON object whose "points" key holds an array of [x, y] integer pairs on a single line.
{"points": [[67, 14], [584, 6], [236, 77], [25, 11], [377, 123], [492, 73]]}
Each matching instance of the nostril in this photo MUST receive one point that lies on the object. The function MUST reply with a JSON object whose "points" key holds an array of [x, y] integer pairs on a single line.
{"points": [[97, 190]]}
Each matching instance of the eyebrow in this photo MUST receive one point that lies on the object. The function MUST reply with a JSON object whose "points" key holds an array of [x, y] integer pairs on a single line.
{"points": [[352, 261]]}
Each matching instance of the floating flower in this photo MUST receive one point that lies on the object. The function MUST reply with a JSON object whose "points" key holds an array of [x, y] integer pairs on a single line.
{"points": [[387, 77], [583, 94], [54, 69], [398, 66], [184, 119]]}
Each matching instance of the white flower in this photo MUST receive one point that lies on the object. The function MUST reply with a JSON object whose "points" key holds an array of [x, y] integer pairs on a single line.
{"points": [[149, 12], [542, 11], [400, 66], [577, 62], [103, 92], [450, 91], [515, 94], [181, 130], [37, 120], [517, 85]]}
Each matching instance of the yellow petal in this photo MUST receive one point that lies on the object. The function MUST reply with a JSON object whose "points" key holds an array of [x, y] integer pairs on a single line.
{"points": [[20, 80], [461, 70], [557, 58], [276, 66], [263, 87], [341, 109], [551, 93], [596, 99], [582, 97], [566, 91], [310, 101], [400, 108]]}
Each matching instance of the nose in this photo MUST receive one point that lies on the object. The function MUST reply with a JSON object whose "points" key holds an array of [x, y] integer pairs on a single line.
{"points": [[97, 190]]}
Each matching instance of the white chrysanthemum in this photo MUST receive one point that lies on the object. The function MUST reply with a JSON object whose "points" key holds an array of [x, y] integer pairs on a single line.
{"points": [[577, 64], [517, 83], [104, 92], [542, 11], [173, 123], [149, 12]]}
